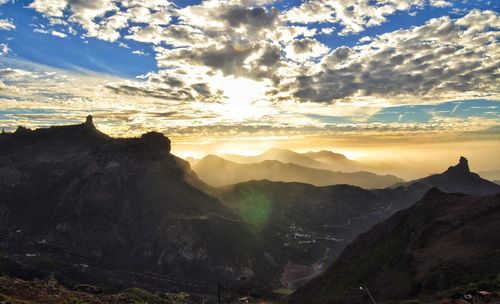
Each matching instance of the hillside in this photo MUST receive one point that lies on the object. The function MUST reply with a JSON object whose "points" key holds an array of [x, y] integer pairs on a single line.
{"points": [[218, 171], [125, 201], [443, 241]]}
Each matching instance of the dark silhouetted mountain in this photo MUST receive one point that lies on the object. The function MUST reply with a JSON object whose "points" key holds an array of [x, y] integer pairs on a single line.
{"points": [[443, 241], [458, 178], [218, 171], [126, 201]]}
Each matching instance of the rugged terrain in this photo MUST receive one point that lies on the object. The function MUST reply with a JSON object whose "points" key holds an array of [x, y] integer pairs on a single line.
{"points": [[123, 201], [442, 242], [319, 222], [80, 206]]}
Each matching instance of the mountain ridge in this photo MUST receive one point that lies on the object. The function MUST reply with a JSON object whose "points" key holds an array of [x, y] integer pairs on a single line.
{"points": [[229, 172]]}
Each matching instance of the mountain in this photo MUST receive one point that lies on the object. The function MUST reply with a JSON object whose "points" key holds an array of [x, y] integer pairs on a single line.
{"points": [[218, 171], [458, 178], [120, 201], [319, 160], [319, 222], [442, 242], [282, 155], [335, 161]]}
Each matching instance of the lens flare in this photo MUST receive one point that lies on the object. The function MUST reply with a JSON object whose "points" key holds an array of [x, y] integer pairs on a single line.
{"points": [[255, 208], [241, 45]]}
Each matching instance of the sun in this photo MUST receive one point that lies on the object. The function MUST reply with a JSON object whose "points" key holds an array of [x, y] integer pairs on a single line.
{"points": [[245, 98]]}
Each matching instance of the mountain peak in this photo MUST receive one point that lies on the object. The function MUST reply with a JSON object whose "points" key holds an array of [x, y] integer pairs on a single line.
{"points": [[463, 162], [156, 141], [461, 167], [89, 121]]}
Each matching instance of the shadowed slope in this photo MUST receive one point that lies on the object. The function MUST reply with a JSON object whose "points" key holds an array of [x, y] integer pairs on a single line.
{"points": [[443, 241]]}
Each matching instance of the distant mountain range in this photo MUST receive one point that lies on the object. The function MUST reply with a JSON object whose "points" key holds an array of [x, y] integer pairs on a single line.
{"points": [[325, 160], [442, 242], [218, 171]]}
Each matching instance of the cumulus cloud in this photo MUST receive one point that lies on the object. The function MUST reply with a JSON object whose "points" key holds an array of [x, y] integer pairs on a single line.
{"points": [[6, 25], [104, 19], [442, 57], [354, 16], [302, 50]]}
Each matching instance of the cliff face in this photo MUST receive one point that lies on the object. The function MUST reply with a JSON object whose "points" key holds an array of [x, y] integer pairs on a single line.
{"points": [[126, 201]]}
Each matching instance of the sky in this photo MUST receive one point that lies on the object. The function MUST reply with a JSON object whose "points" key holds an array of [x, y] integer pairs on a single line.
{"points": [[366, 78]]}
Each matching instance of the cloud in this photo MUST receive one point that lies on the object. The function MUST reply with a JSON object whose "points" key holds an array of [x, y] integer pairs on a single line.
{"points": [[7, 25], [442, 58], [58, 34], [167, 86], [302, 50], [4, 49], [139, 53], [440, 3], [354, 16], [104, 19]]}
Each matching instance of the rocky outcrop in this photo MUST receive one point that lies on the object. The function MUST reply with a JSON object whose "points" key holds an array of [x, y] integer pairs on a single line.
{"points": [[158, 144]]}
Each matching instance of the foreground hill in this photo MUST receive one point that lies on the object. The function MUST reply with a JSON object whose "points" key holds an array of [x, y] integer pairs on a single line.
{"points": [[125, 201], [218, 171], [443, 241], [18, 291], [318, 222]]}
